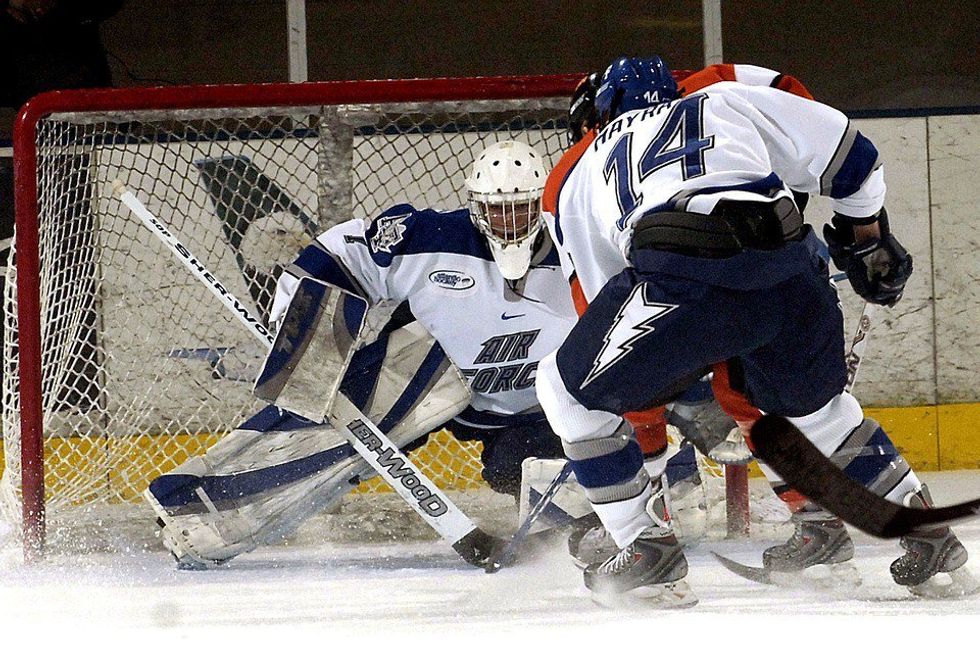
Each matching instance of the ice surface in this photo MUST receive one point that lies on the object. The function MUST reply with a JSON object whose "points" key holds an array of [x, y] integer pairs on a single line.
{"points": [[365, 590]]}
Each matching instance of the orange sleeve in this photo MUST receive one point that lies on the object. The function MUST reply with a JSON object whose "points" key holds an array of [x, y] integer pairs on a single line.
{"points": [[792, 85], [578, 297], [725, 72], [552, 187], [732, 401], [549, 202], [719, 72], [651, 429]]}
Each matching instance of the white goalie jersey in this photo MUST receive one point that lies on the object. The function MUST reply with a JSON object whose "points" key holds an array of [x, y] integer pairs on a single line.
{"points": [[439, 265]]}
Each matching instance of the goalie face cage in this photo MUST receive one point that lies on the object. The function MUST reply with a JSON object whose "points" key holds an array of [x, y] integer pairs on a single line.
{"points": [[118, 365]]}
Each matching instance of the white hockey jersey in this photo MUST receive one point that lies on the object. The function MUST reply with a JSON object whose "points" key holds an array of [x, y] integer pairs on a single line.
{"points": [[441, 266], [728, 141]]}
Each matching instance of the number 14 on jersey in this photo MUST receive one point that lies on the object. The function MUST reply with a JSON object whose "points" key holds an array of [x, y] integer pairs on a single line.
{"points": [[680, 140]]}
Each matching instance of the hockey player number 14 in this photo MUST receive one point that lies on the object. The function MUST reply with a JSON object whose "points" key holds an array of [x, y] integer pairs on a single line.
{"points": [[681, 139]]}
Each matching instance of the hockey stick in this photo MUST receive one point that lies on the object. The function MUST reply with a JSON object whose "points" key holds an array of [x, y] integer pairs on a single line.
{"points": [[859, 344], [421, 494], [189, 261], [506, 555], [784, 447]]}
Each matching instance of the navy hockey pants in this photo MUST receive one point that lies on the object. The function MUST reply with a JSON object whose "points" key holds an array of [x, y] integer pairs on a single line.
{"points": [[645, 336]]}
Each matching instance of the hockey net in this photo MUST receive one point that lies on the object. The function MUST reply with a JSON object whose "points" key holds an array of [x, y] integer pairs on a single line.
{"points": [[115, 359]]}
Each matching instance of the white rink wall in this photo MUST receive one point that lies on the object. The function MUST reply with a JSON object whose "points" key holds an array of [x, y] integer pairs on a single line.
{"points": [[926, 350]]}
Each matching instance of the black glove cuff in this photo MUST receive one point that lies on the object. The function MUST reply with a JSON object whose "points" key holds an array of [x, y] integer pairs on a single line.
{"points": [[840, 219]]}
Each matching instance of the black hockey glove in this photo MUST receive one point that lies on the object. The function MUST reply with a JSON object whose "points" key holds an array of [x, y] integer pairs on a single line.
{"points": [[877, 268]]}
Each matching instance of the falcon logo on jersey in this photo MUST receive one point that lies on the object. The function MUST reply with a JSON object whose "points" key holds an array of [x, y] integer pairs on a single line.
{"points": [[452, 280], [634, 320], [390, 232]]}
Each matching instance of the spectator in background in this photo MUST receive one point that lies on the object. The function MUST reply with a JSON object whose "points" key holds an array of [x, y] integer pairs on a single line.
{"points": [[51, 44]]}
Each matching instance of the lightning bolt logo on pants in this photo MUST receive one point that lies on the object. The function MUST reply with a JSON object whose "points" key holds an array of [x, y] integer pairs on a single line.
{"points": [[634, 320]]}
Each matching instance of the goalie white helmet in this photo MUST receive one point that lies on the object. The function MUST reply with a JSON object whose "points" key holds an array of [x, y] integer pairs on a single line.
{"points": [[504, 191]]}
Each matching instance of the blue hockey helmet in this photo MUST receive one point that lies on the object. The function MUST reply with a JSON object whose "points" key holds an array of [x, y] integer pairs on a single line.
{"points": [[633, 83]]}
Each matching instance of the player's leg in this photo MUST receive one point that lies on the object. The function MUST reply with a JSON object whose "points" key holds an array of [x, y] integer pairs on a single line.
{"points": [[640, 342], [862, 448], [801, 374], [590, 542]]}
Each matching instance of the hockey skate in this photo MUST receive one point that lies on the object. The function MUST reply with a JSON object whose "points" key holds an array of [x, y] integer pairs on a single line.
{"points": [[650, 570], [589, 543], [818, 555], [934, 565]]}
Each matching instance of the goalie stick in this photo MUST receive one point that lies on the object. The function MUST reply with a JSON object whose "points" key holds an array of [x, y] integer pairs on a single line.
{"points": [[469, 541]]}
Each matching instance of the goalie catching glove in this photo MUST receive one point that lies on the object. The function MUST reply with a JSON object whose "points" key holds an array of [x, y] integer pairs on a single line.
{"points": [[878, 268]]}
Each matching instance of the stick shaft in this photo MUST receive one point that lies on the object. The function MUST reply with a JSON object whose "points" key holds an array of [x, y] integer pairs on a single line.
{"points": [[859, 344], [193, 264], [509, 552], [419, 492]]}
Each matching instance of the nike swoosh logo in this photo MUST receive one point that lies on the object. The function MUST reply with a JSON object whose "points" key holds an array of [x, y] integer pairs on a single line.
{"points": [[504, 316]]}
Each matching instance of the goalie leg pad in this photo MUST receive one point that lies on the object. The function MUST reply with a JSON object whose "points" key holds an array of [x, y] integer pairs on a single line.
{"points": [[688, 500], [263, 479], [252, 488]]}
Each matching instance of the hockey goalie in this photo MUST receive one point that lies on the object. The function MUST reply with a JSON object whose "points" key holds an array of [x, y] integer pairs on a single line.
{"points": [[461, 307]]}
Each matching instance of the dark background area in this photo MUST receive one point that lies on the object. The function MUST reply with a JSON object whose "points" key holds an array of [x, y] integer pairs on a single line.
{"points": [[854, 55]]}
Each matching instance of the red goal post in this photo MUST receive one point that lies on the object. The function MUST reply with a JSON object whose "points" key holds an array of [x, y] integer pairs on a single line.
{"points": [[58, 209]]}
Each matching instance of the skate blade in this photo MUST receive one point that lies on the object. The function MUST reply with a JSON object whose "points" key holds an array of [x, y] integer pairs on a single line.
{"points": [[956, 584], [728, 453], [733, 450], [668, 596], [838, 577]]}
